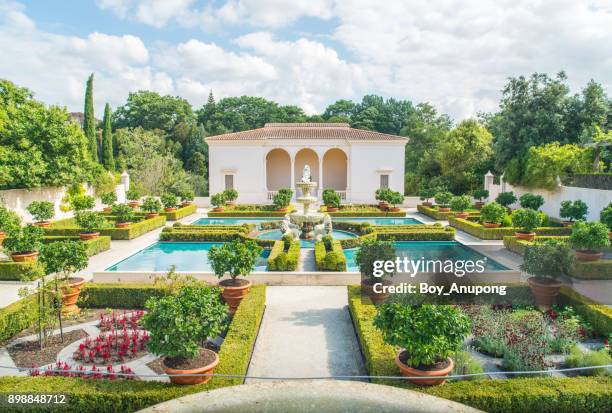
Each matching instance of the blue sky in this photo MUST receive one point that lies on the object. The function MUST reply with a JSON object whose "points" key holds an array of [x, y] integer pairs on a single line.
{"points": [[456, 55]]}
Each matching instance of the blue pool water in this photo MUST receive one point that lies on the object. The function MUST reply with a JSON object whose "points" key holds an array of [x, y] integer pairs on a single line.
{"points": [[186, 256], [232, 221], [381, 221], [276, 234], [430, 250]]}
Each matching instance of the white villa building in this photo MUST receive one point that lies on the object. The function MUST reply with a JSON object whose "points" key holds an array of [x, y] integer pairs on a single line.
{"points": [[259, 162]]}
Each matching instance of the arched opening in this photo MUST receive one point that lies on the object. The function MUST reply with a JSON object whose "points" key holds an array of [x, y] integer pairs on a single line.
{"points": [[278, 170], [307, 157], [335, 169]]}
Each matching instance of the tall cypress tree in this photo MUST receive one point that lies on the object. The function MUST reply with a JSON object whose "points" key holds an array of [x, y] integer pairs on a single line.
{"points": [[89, 121], [108, 160]]}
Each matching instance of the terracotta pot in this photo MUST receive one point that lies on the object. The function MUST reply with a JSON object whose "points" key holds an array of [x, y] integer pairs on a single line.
{"points": [[152, 215], [282, 209], [383, 205], [217, 209], [478, 204], [567, 223], [588, 255], [88, 236], [544, 290], [170, 209], [491, 225], [70, 296], [186, 203], [122, 224], [191, 379], [230, 203], [43, 224], [2, 237], [233, 295], [331, 209], [462, 215], [394, 209], [443, 209], [525, 236], [367, 288], [407, 371], [107, 210], [133, 204], [427, 204], [24, 256]]}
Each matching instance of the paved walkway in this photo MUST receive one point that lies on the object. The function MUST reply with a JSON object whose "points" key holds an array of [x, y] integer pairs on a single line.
{"points": [[307, 260], [306, 332]]}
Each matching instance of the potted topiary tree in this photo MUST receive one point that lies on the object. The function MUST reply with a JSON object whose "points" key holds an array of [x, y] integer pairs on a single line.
{"points": [[178, 324], [169, 200], [480, 194], [395, 199], [124, 215], [230, 196], [64, 258], [527, 220], [9, 223], [506, 199], [531, 201], [372, 250], [236, 258], [492, 215], [133, 196], [427, 335], [218, 201], [588, 239], [331, 199], [42, 211], [546, 261], [382, 196], [82, 203], [24, 243], [187, 196], [108, 199], [573, 211], [425, 195], [605, 217], [460, 204], [151, 206], [90, 222], [443, 200], [282, 199]]}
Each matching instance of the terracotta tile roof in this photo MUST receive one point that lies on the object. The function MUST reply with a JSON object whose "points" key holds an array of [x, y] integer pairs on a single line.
{"points": [[306, 131]]}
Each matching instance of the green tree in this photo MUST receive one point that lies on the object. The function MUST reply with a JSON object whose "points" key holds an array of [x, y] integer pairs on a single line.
{"points": [[543, 164], [89, 120], [108, 159]]}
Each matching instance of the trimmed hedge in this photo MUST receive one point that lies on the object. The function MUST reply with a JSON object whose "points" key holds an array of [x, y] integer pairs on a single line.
{"points": [[17, 317], [333, 260], [598, 315], [136, 229], [578, 394], [251, 211], [433, 212], [180, 212], [208, 233], [133, 296], [18, 271], [355, 242], [477, 230], [129, 396], [92, 246], [281, 260], [415, 233], [357, 214]]}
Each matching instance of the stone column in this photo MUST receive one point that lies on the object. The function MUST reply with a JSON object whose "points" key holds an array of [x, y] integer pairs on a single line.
{"points": [[125, 180], [292, 172], [320, 191], [488, 181]]}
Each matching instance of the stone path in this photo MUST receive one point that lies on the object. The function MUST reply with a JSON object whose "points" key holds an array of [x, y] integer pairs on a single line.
{"points": [[306, 332], [307, 260]]}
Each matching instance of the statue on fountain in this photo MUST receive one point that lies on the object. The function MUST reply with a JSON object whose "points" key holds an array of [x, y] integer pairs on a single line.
{"points": [[306, 173], [287, 227], [323, 229]]}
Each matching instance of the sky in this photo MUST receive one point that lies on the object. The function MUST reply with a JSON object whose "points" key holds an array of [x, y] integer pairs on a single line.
{"points": [[456, 55]]}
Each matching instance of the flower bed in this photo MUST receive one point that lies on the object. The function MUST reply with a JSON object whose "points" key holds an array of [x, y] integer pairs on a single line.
{"points": [[68, 227], [284, 260], [248, 210], [179, 213], [325, 260], [477, 230], [433, 212]]}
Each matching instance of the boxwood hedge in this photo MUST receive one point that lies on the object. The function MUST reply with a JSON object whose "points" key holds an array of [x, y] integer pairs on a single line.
{"points": [[474, 228], [281, 260], [20, 271], [180, 212], [433, 212], [68, 227], [333, 260]]}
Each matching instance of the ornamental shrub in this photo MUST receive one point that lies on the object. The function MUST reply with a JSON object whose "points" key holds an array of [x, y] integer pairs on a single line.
{"points": [[287, 239], [573, 210], [230, 194], [395, 198], [82, 202], [235, 258], [327, 241], [133, 194], [41, 210], [151, 205], [549, 259], [282, 199], [426, 194], [9, 221], [169, 200], [64, 258], [109, 198], [186, 195], [443, 198], [481, 194], [589, 236], [90, 221], [218, 200], [123, 212], [506, 199], [605, 217], [526, 219], [25, 239], [373, 250], [331, 198], [531, 201], [429, 333], [460, 203], [492, 213]]}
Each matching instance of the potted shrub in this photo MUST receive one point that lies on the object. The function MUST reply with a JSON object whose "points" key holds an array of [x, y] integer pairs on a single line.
{"points": [[372, 250], [425, 195], [108, 199], [24, 243], [459, 204], [42, 212], [218, 201], [64, 258], [169, 200], [506, 199], [427, 335], [282, 199], [605, 217], [545, 262], [187, 197], [443, 200], [124, 215], [331, 199], [492, 215], [236, 258], [178, 323], [588, 239], [531, 201], [9, 223], [82, 203], [133, 196], [480, 194], [90, 222], [573, 211], [395, 199], [527, 220], [151, 206], [230, 196], [382, 196]]}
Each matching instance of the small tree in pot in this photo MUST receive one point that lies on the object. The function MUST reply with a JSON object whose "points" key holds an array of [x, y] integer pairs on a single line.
{"points": [[492, 215], [428, 336], [371, 251], [573, 211], [90, 222], [395, 199], [546, 261], [82, 203], [124, 215], [218, 201], [230, 196], [179, 325], [331, 199], [108, 199], [9, 223], [169, 200], [42, 211], [506, 199], [527, 220], [460, 204], [605, 217], [151, 206], [24, 244], [133, 196], [282, 199], [589, 238], [531, 201], [443, 200], [425, 195], [480, 194], [382, 196], [187, 196], [236, 258]]}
